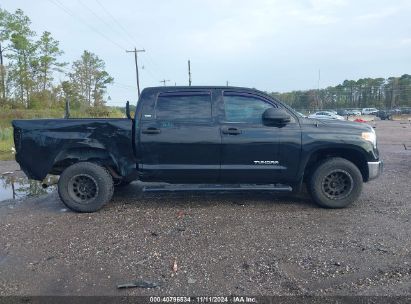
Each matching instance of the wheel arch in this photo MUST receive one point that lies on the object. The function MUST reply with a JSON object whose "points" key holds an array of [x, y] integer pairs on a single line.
{"points": [[357, 157], [98, 156]]}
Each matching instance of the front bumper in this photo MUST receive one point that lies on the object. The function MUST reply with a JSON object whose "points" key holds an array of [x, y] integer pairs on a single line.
{"points": [[375, 169]]}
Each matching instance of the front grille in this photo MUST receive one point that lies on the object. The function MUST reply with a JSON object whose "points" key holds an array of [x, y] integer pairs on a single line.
{"points": [[17, 138]]}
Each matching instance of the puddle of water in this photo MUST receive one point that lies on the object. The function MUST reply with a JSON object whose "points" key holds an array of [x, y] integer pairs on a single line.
{"points": [[15, 188]]}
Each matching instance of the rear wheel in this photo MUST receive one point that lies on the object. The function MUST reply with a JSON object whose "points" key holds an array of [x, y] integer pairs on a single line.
{"points": [[335, 183], [85, 187]]}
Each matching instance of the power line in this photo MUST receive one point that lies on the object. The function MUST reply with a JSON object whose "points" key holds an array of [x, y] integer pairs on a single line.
{"points": [[72, 14], [132, 39], [150, 74], [153, 63], [114, 29]]}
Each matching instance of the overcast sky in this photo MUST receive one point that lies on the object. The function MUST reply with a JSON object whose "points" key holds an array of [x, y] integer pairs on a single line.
{"points": [[270, 45]]}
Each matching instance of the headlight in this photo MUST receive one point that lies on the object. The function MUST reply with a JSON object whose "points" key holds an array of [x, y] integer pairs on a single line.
{"points": [[371, 137]]}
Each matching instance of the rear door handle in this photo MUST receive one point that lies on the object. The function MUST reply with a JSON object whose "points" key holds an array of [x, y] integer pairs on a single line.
{"points": [[151, 130], [230, 130]]}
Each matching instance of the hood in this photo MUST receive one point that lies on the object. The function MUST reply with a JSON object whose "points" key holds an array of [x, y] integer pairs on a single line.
{"points": [[335, 123]]}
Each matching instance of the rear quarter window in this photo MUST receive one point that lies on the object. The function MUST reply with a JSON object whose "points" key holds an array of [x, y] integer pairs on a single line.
{"points": [[184, 106]]}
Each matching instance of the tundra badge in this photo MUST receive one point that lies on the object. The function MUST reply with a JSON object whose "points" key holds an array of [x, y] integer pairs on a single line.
{"points": [[266, 162]]}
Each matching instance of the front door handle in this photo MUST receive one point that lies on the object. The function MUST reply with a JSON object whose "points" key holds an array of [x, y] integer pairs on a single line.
{"points": [[230, 130], [151, 130]]}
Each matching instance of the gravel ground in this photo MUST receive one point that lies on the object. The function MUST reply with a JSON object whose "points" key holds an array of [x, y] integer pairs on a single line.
{"points": [[217, 243]]}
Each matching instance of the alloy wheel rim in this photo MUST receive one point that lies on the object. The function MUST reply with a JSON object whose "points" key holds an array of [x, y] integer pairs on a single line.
{"points": [[83, 188], [338, 184]]}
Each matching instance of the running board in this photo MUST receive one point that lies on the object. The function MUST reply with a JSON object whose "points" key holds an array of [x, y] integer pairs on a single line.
{"points": [[212, 187]]}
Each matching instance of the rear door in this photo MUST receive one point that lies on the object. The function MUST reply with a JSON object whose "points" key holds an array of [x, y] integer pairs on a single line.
{"points": [[180, 143]]}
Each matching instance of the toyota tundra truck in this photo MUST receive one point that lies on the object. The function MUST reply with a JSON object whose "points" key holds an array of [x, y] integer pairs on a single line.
{"points": [[200, 138]]}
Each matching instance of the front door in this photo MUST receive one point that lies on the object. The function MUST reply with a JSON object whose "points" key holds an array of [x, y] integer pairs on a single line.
{"points": [[250, 150], [181, 143]]}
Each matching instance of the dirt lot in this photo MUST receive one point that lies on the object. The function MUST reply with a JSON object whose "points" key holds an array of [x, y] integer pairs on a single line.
{"points": [[221, 243]]}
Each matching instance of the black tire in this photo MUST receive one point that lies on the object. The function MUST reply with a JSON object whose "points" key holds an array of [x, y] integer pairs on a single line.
{"points": [[85, 187], [335, 183]]}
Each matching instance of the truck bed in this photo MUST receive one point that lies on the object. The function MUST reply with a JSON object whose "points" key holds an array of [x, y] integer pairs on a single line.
{"points": [[40, 143]]}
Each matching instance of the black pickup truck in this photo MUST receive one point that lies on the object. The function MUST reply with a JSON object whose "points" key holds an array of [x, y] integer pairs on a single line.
{"points": [[202, 138]]}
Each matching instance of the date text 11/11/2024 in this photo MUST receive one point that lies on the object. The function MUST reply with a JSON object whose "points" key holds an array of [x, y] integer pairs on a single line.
{"points": [[203, 299]]}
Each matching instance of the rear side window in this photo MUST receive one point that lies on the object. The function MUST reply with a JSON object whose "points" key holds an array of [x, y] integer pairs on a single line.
{"points": [[175, 106], [244, 108]]}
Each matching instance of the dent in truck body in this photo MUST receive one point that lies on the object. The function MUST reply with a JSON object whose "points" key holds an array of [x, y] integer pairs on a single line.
{"points": [[44, 145]]}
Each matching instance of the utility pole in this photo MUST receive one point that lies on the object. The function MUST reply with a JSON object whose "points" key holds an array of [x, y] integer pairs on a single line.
{"points": [[67, 109], [189, 73], [319, 77], [3, 85], [135, 51], [164, 81], [318, 89], [226, 83]]}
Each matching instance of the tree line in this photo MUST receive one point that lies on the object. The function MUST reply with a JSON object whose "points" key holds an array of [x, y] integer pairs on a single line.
{"points": [[366, 92], [29, 64]]}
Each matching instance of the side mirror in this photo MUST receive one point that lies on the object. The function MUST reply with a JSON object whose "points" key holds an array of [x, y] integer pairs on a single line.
{"points": [[276, 117], [128, 110]]}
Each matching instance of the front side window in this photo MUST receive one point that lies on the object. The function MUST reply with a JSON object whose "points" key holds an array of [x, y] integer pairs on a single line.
{"points": [[184, 107], [244, 109]]}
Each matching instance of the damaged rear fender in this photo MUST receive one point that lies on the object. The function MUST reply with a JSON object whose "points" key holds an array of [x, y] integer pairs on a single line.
{"points": [[71, 156]]}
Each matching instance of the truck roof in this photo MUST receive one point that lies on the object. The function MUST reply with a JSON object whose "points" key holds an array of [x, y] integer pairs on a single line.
{"points": [[181, 88], [151, 90]]}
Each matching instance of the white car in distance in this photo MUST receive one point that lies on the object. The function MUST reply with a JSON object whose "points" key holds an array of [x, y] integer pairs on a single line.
{"points": [[369, 111], [325, 115]]}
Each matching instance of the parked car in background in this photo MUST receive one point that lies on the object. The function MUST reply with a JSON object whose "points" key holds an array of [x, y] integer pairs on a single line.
{"points": [[325, 115], [405, 110], [369, 111], [342, 112], [354, 112], [384, 114]]}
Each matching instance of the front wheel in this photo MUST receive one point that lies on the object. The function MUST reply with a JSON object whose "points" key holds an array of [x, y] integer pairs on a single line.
{"points": [[85, 187], [335, 183]]}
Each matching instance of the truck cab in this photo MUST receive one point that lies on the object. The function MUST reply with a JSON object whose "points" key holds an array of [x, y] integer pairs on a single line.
{"points": [[214, 135]]}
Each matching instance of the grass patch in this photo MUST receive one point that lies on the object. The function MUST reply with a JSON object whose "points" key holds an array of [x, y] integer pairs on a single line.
{"points": [[6, 143], [6, 156], [401, 117]]}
